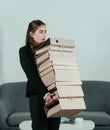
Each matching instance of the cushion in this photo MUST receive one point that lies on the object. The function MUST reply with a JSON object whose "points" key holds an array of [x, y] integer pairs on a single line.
{"points": [[14, 119], [98, 117], [96, 94], [108, 105]]}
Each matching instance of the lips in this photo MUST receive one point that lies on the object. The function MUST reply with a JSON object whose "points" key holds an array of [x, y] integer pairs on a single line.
{"points": [[43, 39]]}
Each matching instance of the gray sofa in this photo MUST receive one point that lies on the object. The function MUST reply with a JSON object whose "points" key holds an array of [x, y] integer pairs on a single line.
{"points": [[97, 99], [14, 105]]}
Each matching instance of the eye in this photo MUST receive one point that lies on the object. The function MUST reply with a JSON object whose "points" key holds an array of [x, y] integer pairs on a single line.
{"points": [[40, 31]]}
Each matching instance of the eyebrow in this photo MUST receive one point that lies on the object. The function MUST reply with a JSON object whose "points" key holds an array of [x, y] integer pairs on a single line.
{"points": [[43, 30]]}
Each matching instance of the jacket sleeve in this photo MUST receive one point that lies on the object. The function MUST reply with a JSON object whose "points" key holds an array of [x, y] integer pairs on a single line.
{"points": [[31, 72]]}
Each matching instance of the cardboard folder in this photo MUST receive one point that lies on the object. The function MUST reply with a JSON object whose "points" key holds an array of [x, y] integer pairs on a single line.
{"points": [[57, 64], [50, 67], [53, 86], [55, 44], [61, 76], [69, 91], [67, 107], [55, 56], [57, 68], [53, 48]]}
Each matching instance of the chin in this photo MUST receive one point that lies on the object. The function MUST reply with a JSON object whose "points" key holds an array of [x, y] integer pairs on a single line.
{"points": [[43, 40]]}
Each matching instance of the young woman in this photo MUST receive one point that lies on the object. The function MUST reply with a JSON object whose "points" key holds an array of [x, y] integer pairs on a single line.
{"points": [[35, 89]]}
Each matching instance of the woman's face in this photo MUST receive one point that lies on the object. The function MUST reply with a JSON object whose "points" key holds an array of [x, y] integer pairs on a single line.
{"points": [[39, 35]]}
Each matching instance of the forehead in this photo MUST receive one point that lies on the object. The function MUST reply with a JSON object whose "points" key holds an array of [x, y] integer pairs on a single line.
{"points": [[42, 27]]}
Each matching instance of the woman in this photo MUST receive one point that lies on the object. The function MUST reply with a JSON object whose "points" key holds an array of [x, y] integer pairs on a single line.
{"points": [[35, 89]]}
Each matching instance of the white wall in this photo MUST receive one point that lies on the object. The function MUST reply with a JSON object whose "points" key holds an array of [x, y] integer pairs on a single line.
{"points": [[85, 21], [1, 56]]}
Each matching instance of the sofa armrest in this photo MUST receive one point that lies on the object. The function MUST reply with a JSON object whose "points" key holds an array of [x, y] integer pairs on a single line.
{"points": [[108, 106], [5, 110]]}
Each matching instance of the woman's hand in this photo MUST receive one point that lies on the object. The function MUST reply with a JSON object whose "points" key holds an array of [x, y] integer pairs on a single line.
{"points": [[49, 99]]}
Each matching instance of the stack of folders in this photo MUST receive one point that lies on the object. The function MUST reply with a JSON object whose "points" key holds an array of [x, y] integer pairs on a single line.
{"points": [[58, 70]]}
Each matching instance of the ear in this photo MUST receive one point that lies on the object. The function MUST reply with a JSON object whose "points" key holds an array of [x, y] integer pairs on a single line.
{"points": [[31, 34]]}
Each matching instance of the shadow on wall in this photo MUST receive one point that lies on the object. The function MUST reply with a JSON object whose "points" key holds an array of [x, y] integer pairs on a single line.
{"points": [[1, 57]]}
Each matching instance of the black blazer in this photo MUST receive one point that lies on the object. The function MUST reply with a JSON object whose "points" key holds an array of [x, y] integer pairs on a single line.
{"points": [[34, 83]]}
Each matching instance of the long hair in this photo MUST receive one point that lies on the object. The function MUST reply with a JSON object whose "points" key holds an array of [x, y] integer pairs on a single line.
{"points": [[32, 27]]}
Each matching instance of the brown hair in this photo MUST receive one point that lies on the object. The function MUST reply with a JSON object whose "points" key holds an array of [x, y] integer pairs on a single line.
{"points": [[32, 27]]}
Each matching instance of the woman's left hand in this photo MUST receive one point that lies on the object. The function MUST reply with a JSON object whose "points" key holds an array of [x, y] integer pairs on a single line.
{"points": [[49, 99]]}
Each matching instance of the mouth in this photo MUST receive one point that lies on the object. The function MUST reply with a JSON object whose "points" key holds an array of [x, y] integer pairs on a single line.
{"points": [[43, 39]]}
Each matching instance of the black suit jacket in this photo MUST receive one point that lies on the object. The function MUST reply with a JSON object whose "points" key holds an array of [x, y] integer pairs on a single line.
{"points": [[34, 83]]}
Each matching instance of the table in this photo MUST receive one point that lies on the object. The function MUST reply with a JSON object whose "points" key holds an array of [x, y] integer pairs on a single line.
{"points": [[80, 124]]}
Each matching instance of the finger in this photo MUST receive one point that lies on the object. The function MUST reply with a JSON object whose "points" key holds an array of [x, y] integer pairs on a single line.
{"points": [[52, 94]]}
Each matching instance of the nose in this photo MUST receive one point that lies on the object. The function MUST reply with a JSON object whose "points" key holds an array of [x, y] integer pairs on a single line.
{"points": [[44, 34]]}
